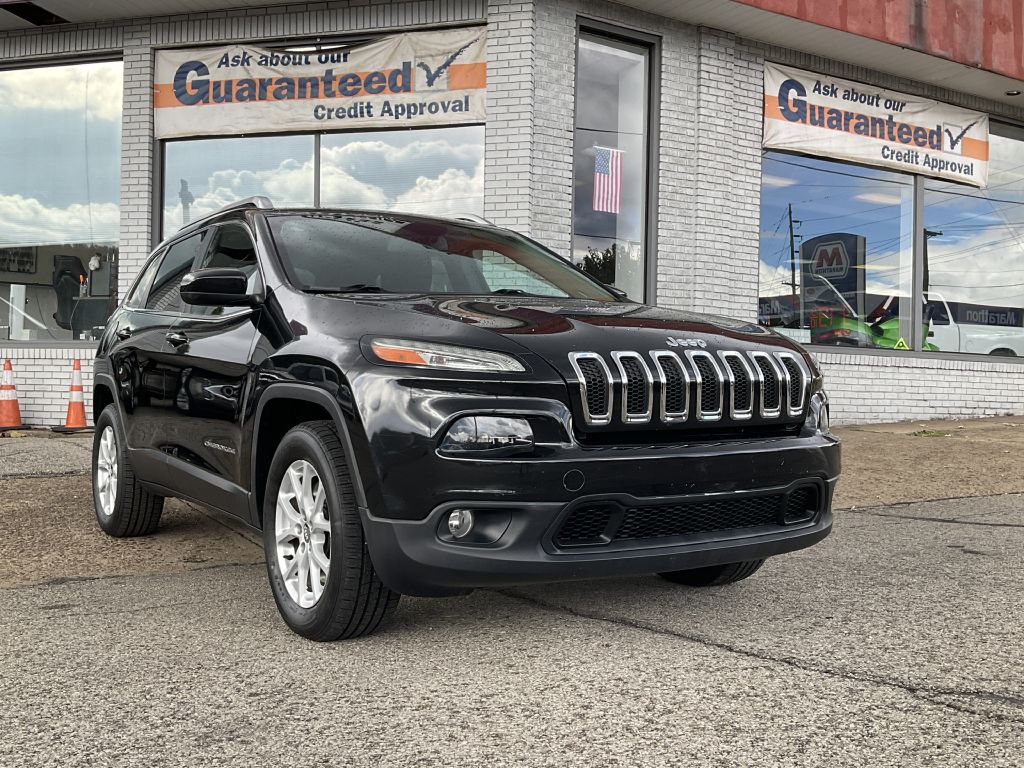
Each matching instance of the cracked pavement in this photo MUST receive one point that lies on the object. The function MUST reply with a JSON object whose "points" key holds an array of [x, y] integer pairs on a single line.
{"points": [[898, 641]]}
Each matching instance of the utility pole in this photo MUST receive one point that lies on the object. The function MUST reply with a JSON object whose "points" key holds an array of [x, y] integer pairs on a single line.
{"points": [[792, 252]]}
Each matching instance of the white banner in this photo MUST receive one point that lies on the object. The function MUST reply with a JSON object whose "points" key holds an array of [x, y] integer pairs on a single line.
{"points": [[400, 81], [840, 119]]}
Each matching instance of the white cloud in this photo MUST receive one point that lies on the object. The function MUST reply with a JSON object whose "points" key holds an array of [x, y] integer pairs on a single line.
{"points": [[450, 193], [769, 180], [440, 187], [880, 198], [27, 221], [95, 86]]}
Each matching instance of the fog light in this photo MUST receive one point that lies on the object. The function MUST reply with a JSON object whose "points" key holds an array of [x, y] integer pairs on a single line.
{"points": [[493, 435], [460, 523]]}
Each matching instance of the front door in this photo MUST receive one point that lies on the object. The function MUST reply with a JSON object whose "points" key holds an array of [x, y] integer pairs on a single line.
{"points": [[211, 351]]}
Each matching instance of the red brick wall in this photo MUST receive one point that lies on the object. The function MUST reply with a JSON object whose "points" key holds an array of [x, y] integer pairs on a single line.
{"points": [[988, 34]]}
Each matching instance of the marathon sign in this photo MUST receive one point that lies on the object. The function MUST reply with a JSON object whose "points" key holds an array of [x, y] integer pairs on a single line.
{"points": [[832, 264], [406, 80], [820, 115]]}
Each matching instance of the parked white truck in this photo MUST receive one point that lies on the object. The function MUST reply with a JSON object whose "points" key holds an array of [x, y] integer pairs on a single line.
{"points": [[985, 335]]}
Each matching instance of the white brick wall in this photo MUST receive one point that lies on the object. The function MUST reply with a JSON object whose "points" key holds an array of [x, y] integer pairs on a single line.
{"points": [[43, 377], [708, 185], [878, 388]]}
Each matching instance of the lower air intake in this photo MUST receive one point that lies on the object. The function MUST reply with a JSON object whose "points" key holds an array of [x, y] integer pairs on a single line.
{"points": [[602, 522]]}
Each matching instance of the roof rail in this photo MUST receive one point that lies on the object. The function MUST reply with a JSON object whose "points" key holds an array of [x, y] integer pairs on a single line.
{"points": [[256, 201], [471, 217]]}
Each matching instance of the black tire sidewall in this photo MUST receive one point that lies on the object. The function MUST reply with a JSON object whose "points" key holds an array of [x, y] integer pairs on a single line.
{"points": [[303, 444], [117, 523]]}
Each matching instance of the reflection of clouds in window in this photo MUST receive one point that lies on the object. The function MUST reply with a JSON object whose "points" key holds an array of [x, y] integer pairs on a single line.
{"points": [[26, 221], [979, 256], [436, 171], [95, 86]]}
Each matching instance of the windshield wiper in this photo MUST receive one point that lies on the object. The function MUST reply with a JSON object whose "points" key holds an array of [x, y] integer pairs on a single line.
{"points": [[512, 292], [354, 288]]}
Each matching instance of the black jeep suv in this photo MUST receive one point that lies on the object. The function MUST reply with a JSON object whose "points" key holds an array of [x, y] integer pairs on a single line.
{"points": [[407, 404]]}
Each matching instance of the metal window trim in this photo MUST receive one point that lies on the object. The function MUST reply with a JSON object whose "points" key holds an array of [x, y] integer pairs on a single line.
{"points": [[767, 413], [589, 418], [599, 28], [625, 415], [734, 412], [702, 415], [671, 417]]}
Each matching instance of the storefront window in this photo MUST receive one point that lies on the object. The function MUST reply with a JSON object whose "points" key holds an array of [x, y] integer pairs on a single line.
{"points": [[60, 140], [202, 176], [973, 258], [610, 162], [836, 252], [435, 171]]}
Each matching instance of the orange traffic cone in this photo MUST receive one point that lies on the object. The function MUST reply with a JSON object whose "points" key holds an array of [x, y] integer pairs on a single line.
{"points": [[10, 414], [76, 403]]}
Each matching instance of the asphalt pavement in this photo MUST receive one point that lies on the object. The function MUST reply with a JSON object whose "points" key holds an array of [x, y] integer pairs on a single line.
{"points": [[897, 641]]}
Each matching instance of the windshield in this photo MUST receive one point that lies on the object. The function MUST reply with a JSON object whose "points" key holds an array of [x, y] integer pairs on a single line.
{"points": [[355, 252]]}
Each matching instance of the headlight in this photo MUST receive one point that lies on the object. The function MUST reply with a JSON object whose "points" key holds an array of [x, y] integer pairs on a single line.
{"points": [[443, 356], [493, 435]]}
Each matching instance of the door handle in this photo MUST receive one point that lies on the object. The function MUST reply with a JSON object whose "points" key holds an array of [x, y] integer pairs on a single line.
{"points": [[124, 333], [177, 339]]}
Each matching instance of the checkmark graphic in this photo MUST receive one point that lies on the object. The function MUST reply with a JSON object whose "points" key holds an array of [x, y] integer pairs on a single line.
{"points": [[434, 74], [954, 140]]}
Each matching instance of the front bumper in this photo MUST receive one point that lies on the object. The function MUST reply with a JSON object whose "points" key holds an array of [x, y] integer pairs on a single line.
{"points": [[530, 501]]}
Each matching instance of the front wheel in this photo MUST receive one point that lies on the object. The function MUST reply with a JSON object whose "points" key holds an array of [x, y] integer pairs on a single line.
{"points": [[123, 506], [714, 575], [317, 560]]}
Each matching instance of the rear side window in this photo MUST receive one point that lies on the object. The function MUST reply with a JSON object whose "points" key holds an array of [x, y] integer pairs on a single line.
{"points": [[165, 294], [138, 295]]}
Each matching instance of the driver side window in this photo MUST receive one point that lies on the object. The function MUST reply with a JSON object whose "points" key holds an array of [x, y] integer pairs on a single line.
{"points": [[233, 247]]}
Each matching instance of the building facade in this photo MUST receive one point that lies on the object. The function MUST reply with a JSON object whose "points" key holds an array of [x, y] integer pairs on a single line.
{"points": [[632, 138]]}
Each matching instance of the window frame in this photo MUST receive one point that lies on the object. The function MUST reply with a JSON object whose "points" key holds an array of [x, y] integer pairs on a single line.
{"points": [[98, 57], [164, 249], [587, 26]]}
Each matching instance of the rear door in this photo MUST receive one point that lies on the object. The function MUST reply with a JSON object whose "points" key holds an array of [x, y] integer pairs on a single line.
{"points": [[210, 355], [141, 351]]}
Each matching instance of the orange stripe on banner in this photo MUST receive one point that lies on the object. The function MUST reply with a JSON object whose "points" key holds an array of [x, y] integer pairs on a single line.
{"points": [[467, 76], [163, 93], [976, 149]]}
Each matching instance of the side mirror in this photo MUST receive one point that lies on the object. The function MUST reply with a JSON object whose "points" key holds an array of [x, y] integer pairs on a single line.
{"points": [[218, 287]]}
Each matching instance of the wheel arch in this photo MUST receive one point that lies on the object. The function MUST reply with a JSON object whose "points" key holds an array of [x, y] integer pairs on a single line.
{"points": [[281, 407], [103, 389]]}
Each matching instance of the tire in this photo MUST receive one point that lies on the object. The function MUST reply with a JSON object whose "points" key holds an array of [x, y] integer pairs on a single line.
{"points": [[714, 575], [133, 511], [319, 524]]}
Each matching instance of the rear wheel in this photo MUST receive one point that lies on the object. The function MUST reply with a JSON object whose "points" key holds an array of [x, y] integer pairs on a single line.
{"points": [[714, 575], [319, 566], [123, 506]]}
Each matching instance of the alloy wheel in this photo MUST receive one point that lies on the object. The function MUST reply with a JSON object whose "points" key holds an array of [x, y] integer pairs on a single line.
{"points": [[106, 471], [303, 533]]}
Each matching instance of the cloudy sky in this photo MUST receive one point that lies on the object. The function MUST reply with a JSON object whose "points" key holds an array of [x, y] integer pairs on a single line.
{"points": [[431, 170], [978, 258], [60, 142]]}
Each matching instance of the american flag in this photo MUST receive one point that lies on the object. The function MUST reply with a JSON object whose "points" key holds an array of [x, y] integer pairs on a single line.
{"points": [[607, 179]]}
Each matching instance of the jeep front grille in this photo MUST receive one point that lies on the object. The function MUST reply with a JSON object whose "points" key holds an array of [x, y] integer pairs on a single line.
{"points": [[670, 387]]}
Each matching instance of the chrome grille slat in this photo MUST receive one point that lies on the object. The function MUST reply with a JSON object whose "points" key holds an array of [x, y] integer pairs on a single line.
{"points": [[674, 382], [637, 387], [635, 390], [741, 385]]}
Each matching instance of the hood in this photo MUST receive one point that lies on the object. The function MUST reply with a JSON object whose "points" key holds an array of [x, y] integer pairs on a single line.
{"points": [[554, 327]]}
